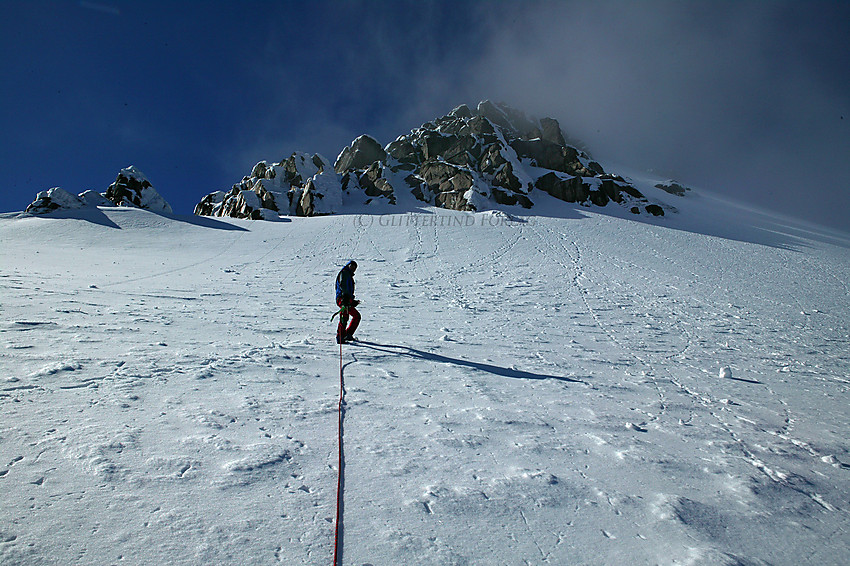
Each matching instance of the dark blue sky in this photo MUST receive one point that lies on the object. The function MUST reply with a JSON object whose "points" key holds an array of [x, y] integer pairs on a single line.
{"points": [[750, 99]]}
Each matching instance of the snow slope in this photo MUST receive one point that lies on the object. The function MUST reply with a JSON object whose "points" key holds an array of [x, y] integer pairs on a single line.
{"points": [[573, 388]]}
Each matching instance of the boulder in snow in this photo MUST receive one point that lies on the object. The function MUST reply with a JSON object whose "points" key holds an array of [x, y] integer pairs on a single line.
{"points": [[132, 188], [673, 188], [54, 199]]}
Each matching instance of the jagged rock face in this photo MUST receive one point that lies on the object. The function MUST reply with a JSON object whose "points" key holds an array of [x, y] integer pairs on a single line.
{"points": [[362, 152], [301, 185], [321, 194], [131, 188], [549, 155], [507, 118], [210, 204], [256, 204], [496, 154], [306, 205], [505, 177], [405, 152], [468, 159], [551, 132], [569, 189], [374, 184]]}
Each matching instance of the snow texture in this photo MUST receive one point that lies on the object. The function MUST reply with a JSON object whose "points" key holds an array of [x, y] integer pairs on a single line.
{"points": [[526, 389]]}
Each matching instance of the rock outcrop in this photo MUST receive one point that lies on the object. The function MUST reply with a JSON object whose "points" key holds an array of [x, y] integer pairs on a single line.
{"points": [[55, 199], [362, 152], [301, 185], [131, 188], [673, 188], [469, 159], [496, 155]]}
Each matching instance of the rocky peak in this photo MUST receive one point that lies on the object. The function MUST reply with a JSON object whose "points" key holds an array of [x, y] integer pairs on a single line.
{"points": [[469, 159]]}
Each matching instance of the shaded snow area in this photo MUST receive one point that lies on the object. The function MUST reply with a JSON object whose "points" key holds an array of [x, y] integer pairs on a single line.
{"points": [[566, 389]]}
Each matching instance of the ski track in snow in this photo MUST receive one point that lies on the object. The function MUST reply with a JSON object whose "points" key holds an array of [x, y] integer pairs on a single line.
{"points": [[531, 390]]}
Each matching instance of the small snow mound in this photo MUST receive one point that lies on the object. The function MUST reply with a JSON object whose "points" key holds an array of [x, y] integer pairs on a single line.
{"points": [[94, 199], [57, 367], [268, 214], [263, 457]]}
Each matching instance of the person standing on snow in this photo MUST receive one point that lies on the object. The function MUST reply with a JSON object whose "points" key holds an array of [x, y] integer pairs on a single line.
{"points": [[346, 301]]}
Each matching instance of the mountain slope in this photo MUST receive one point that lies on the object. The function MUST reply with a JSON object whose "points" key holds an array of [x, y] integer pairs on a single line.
{"points": [[573, 388]]}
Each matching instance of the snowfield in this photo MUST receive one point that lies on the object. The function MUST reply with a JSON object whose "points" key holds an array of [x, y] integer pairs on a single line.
{"points": [[575, 387]]}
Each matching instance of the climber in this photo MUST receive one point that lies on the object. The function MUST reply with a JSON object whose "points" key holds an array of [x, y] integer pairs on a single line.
{"points": [[347, 303]]}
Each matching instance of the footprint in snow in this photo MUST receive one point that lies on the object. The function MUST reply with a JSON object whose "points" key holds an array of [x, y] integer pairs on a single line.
{"points": [[637, 427]]}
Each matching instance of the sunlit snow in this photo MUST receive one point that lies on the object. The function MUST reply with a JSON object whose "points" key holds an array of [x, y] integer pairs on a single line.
{"points": [[566, 388]]}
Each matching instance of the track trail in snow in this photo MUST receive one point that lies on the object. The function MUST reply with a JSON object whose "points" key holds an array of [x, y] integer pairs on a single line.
{"points": [[572, 251], [720, 409]]}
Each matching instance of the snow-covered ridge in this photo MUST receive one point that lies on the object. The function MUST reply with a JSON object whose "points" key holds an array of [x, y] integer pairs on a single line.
{"points": [[131, 188], [489, 158]]}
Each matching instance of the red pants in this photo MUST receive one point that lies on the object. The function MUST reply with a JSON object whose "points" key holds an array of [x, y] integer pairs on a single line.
{"points": [[345, 329]]}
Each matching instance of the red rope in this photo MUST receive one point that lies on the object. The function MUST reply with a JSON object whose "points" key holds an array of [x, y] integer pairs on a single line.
{"points": [[339, 468]]}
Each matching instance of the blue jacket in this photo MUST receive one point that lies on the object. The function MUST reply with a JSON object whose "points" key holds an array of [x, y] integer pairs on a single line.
{"points": [[345, 283]]}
